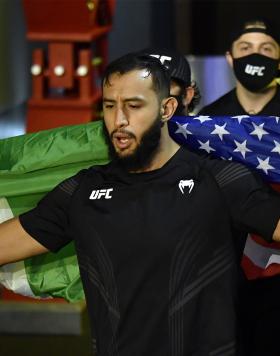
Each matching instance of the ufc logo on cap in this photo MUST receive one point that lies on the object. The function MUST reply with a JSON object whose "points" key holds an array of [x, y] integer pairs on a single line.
{"points": [[252, 70], [162, 58], [99, 193]]}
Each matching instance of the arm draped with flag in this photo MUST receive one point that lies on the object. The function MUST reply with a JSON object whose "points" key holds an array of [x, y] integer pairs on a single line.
{"points": [[253, 141], [30, 166]]}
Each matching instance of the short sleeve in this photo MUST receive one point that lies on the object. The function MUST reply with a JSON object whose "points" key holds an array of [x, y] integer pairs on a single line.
{"points": [[253, 205], [48, 222]]}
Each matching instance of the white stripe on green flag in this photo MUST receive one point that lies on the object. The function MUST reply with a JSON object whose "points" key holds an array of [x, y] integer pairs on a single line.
{"points": [[13, 275], [30, 166]]}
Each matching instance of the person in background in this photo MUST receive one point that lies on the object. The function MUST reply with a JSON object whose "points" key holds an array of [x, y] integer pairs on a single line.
{"points": [[152, 229], [254, 56], [182, 87]]}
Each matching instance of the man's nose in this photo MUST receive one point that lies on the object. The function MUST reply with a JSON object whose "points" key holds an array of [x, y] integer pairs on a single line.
{"points": [[121, 118]]}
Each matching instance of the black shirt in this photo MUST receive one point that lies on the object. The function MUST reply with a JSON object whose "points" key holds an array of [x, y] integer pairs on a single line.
{"points": [[259, 311], [228, 104], [155, 250]]}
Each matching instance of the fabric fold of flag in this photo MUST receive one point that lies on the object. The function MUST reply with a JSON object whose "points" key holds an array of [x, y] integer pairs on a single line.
{"points": [[253, 141], [30, 166]]}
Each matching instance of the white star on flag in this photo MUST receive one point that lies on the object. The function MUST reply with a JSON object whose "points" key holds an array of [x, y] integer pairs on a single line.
{"points": [[240, 117], [220, 131], [276, 118], [203, 118], [206, 146], [276, 148], [254, 136], [264, 164], [182, 129], [259, 131], [241, 147]]}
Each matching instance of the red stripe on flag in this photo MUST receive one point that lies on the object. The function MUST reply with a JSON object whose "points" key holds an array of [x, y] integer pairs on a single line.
{"points": [[252, 271]]}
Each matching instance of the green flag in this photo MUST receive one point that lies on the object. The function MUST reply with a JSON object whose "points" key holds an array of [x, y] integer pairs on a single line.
{"points": [[30, 166]]}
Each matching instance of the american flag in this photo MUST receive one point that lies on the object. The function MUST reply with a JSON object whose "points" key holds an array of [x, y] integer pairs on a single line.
{"points": [[251, 140]]}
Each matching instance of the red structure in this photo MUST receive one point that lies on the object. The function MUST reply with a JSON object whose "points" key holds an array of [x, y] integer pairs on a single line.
{"points": [[65, 88]]}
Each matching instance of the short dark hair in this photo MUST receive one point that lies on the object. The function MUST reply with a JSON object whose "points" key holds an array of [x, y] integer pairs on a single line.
{"points": [[137, 61], [197, 96]]}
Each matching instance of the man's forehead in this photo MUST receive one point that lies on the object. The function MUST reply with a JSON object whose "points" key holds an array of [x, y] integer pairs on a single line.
{"points": [[140, 75], [256, 37], [134, 84]]}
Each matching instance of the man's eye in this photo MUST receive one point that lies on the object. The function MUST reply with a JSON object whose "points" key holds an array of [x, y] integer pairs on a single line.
{"points": [[108, 106], [134, 106]]}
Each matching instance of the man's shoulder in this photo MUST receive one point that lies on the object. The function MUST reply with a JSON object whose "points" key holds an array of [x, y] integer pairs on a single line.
{"points": [[216, 166], [274, 103], [219, 106], [91, 173]]}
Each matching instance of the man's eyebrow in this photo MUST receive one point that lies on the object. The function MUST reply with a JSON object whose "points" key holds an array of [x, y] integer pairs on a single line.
{"points": [[244, 42], [269, 43], [262, 43], [133, 98]]}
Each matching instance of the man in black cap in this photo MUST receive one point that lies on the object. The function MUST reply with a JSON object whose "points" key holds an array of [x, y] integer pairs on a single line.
{"points": [[254, 56], [182, 87]]}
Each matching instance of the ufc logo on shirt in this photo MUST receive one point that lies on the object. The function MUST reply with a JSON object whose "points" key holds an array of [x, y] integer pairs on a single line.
{"points": [[252, 70], [101, 193]]}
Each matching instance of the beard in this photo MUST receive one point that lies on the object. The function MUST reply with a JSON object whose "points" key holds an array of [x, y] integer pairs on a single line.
{"points": [[145, 151]]}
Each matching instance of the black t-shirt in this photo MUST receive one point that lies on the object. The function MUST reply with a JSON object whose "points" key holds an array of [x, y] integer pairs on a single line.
{"points": [[155, 250], [228, 104]]}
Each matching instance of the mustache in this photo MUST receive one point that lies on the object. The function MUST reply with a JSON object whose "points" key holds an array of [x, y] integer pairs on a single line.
{"points": [[122, 132]]}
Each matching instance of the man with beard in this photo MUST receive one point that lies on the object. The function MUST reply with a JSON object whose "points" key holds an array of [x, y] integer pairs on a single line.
{"points": [[152, 229], [254, 56]]}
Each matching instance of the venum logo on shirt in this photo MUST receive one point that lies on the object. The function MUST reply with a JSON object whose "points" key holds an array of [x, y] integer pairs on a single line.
{"points": [[189, 184], [101, 193]]}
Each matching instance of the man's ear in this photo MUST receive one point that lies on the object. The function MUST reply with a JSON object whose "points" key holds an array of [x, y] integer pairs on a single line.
{"points": [[189, 94], [229, 58], [168, 108]]}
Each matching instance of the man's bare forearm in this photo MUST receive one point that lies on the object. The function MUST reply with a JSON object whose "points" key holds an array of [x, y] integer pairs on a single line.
{"points": [[16, 244]]}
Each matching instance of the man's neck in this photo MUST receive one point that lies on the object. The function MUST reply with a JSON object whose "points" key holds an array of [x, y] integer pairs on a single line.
{"points": [[166, 150], [253, 103]]}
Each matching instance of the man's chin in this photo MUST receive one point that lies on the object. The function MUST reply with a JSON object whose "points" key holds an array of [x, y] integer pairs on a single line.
{"points": [[124, 153], [137, 155]]}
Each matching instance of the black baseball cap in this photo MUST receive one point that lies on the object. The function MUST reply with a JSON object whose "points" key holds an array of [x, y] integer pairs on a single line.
{"points": [[177, 64], [255, 25]]}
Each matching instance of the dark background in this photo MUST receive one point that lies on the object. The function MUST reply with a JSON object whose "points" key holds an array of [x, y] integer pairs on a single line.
{"points": [[197, 28], [212, 21]]}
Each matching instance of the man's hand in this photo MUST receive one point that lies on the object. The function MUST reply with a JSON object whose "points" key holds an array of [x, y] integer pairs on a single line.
{"points": [[276, 234]]}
